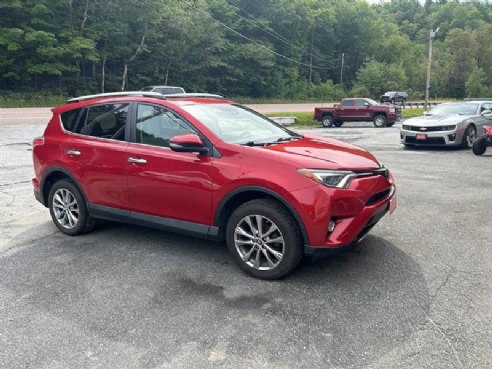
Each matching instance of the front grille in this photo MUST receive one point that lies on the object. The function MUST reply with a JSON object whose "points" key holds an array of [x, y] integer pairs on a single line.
{"points": [[428, 141], [379, 196], [428, 129], [375, 172]]}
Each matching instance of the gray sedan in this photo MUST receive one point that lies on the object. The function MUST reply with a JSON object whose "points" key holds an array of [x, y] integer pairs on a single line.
{"points": [[449, 124]]}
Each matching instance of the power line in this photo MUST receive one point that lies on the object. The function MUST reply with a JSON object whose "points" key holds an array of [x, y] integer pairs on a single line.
{"points": [[276, 34], [273, 33], [255, 42]]}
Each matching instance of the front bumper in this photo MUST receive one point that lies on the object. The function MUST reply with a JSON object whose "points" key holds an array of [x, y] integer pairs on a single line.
{"points": [[355, 211], [438, 138]]}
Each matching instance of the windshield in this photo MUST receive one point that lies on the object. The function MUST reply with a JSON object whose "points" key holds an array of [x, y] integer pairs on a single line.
{"points": [[457, 108], [371, 102], [237, 124]]}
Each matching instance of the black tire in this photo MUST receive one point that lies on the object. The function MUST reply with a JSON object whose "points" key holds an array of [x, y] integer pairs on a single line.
{"points": [[338, 123], [288, 230], [480, 145], [469, 137], [327, 121], [379, 121], [84, 222]]}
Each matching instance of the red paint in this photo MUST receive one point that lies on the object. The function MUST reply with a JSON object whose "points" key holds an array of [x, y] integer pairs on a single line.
{"points": [[189, 186]]}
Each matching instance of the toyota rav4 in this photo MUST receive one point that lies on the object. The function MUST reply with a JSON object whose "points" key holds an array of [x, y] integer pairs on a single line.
{"points": [[210, 168]]}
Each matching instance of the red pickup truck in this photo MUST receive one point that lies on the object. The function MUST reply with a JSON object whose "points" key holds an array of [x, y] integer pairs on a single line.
{"points": [[358, 110]]}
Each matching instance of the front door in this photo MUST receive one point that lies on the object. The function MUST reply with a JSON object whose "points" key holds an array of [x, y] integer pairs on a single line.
{"points": [[162, 182]]}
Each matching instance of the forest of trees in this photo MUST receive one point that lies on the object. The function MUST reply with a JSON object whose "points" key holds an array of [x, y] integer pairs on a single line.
{"points": [[257, 48]]}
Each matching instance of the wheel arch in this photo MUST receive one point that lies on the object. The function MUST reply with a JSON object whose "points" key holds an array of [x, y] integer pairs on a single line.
{"points": [[239, 196], [376, 113], [54, 174]]}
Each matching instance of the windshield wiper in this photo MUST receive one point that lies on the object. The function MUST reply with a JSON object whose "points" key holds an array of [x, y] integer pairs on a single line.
{"points": [[290, 138], [256, 143]]}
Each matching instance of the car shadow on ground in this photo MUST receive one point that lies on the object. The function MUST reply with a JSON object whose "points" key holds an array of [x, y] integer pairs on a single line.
{"points": [[133, 284]]}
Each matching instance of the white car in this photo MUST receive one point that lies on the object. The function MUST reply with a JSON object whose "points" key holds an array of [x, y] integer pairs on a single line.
{"points": [[449, 124]]}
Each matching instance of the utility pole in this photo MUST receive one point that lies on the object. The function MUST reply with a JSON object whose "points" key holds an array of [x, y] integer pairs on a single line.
{"points": [[311, 59], [432, 34], [341, 68]]}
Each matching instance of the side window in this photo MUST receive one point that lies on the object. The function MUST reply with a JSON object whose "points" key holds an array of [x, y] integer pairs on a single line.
{"points": [[486, 106], [105, 121], [69, 119], [347, 103], [360, 103], [156, 125]]}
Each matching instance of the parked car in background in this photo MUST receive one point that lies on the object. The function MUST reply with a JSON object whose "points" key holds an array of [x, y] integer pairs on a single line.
{"points": [[358, 110], [209, 168], [165, 90], [394, 97], [448, 124]]}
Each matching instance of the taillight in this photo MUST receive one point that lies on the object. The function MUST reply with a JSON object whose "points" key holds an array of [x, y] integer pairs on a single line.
{"points": [[38, 141]]}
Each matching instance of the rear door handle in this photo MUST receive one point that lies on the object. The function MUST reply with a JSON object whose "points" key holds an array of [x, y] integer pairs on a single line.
{"points": [[73, 152], [137, 160]]}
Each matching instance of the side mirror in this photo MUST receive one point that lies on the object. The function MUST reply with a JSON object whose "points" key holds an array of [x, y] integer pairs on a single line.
{"points": [[486, 113], [427, 113], [187, 143], [366, 104]]}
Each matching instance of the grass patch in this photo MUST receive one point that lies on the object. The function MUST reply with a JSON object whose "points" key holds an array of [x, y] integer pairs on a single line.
{"points": [[272, 100], [18, 100], [302, 119], [307, 119], [411, 112]]}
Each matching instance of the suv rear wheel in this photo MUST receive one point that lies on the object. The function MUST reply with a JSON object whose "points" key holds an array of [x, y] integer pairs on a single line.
{"points": [[68, 209], [264, 239]]}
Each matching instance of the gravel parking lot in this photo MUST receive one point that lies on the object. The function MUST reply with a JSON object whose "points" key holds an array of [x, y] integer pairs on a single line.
{"points": [[416, 294]]}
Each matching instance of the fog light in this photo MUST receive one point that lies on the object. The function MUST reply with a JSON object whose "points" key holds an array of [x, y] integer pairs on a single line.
{"points": [[331, 226], [452, 137]]}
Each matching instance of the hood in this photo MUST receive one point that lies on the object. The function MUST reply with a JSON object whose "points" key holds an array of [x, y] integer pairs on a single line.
{"points": [[437, 120], [323, 153]]}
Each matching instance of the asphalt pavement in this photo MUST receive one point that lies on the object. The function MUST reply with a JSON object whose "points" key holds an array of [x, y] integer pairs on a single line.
{"points": [[415, 294]]}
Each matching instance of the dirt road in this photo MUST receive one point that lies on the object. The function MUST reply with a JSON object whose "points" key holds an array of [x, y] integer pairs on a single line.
{"points": [[26, 116]]}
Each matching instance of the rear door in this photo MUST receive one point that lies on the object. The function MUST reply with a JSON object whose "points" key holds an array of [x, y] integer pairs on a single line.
{"points": [[95, 152], [347, 110], [162, 182]]}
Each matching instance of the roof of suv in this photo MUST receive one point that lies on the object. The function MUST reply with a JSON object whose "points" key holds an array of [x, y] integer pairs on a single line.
{"points": [[177, 100]]}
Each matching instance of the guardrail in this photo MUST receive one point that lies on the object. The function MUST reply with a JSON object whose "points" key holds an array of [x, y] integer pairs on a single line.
{"points": [[418, 104]]}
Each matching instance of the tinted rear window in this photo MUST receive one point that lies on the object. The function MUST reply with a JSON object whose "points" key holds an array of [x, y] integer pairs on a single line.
{"points": [[69, 119]]}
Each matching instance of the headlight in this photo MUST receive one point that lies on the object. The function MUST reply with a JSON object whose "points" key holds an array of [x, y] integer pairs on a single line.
{"points": [[449, 128], [329, 178], [392, 110]]}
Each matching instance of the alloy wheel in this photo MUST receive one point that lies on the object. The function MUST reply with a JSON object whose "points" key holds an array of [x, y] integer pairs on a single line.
{"points": [[471, 136], [259, 242], [66, 208]]}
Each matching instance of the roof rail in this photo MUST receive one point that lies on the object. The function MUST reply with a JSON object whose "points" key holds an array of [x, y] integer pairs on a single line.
{"points": [[119, 94], [200, 94]]}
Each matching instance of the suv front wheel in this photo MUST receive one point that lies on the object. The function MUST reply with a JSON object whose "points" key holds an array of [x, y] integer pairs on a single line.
{"points": [[264, 239], [68, 209]]}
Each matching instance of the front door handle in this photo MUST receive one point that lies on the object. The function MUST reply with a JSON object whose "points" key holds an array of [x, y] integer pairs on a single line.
{"points": [[73, 152], [137, 160]]}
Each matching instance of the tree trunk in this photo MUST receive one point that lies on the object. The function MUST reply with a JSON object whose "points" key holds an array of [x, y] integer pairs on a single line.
{"points": [[123, 80], [103, 74], [82, 25], [139, 49]]}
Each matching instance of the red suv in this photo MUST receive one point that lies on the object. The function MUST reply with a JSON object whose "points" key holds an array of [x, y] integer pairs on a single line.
{"points": [[210, 168]]}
